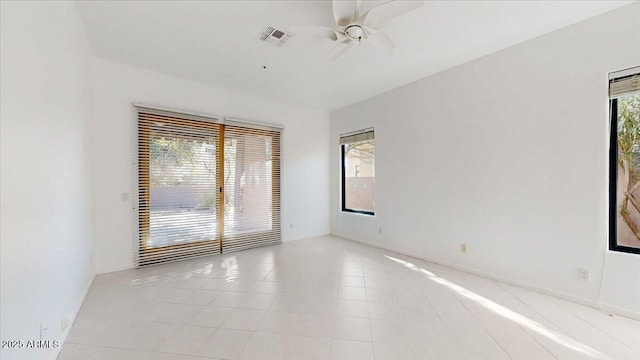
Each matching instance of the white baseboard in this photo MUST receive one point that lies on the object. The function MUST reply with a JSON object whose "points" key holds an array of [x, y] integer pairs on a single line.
{"points": [[559, 294], [304, 237], [114, 269], [619, 311], [74, 315]]}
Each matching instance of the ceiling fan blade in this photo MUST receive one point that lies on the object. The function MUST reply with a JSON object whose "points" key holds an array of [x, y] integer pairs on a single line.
{"points": [[338, 50], [388, 10], [338, 36], [380, 39], [344, 11]]}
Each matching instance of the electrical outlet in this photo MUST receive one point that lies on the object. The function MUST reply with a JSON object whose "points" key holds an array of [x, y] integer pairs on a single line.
{"points": [[463, 248], [380, 231], [43, 331], [124, 196], [64, 322], [290, 226], [584, 274]]}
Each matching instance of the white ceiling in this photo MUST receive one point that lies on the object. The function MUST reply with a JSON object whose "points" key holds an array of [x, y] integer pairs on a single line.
{"points": [[216, 42]]}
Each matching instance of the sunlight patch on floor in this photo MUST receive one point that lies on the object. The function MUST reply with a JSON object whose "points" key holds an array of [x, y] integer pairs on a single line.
{"points": [[507, 313]]}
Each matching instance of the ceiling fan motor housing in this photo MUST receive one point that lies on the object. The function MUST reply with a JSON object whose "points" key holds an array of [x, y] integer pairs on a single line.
{"points": [[355, 32]]}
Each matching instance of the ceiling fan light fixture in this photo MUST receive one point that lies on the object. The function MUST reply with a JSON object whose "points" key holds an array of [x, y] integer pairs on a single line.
{"points": [[355, 32]]}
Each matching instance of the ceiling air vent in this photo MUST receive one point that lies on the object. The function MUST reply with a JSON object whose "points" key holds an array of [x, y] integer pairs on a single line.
{"points": [[273, 36]]}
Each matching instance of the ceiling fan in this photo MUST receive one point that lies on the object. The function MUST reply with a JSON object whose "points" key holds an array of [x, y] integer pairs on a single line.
{"points": [[353, 28]]}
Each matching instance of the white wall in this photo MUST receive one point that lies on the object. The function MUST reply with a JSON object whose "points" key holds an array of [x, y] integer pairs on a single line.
{"points": [[46, 262], [507, 154], [305, 155]]}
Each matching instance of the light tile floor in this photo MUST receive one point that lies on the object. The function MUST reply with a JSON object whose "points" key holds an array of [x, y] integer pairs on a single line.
{"points": [[328, 298]]}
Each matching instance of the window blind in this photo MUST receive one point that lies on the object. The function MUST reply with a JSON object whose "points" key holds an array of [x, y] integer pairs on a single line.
{"points": [[624, 83], [362, 135], [251, 188], [178, 188], [204, 187]]}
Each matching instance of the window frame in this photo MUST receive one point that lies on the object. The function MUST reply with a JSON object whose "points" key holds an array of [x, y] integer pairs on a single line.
{"points": [[613, 182], [343, 185]]}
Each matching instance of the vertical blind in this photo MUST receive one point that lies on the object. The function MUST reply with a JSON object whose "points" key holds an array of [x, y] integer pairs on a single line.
{"points": [[204, 187]]}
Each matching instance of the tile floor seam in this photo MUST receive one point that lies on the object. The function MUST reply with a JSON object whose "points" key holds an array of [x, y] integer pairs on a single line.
{"points": [[601, 331], [528, 331], [478, 322], [205, 342], [492, 336]]}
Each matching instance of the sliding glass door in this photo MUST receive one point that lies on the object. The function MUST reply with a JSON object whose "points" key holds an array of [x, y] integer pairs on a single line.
{"points": [[251, 188], [204, 187], [179, 189]]}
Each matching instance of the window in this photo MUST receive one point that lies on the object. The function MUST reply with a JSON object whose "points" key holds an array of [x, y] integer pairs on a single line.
{"points": [[205, 186], [624, 161], [358, 172]]}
